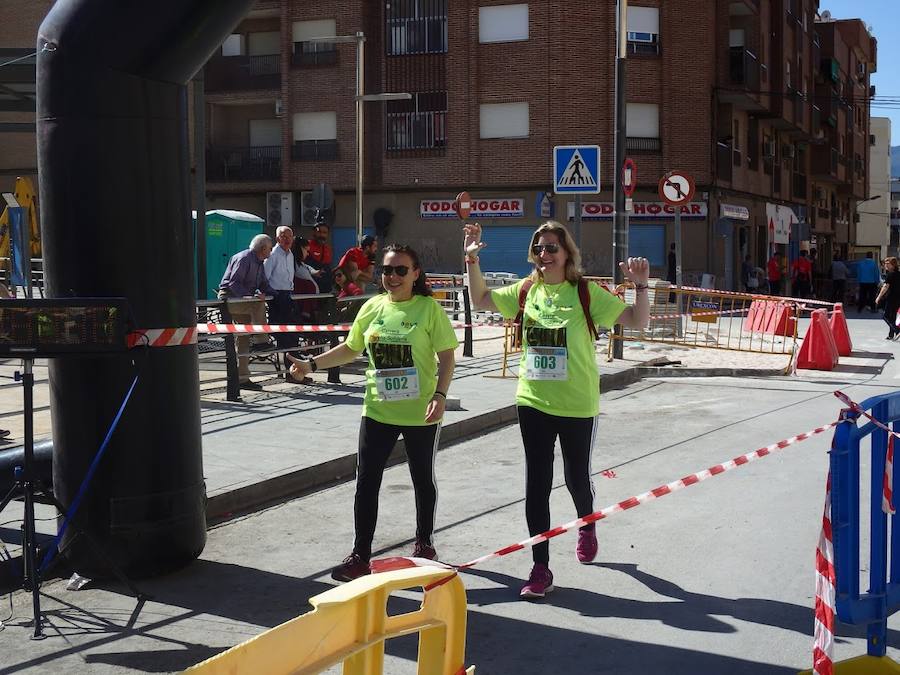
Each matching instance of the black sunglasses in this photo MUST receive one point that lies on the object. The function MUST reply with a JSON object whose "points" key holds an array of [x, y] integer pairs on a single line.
{"points": [[550, 248], [401, 270]]}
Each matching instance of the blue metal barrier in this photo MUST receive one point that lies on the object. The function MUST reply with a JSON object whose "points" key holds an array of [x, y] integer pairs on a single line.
{"points": [[883, 597]]}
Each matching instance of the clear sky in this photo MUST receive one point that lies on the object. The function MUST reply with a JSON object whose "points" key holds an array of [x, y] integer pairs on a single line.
{"points": [[884, 17]]}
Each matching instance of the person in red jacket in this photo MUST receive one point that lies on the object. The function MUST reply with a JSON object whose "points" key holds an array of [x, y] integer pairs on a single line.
{"points": [[358, 262], [801, 276]]}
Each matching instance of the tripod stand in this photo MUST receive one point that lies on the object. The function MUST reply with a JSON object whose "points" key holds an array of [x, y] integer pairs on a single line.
{"points": [[28, 484]]}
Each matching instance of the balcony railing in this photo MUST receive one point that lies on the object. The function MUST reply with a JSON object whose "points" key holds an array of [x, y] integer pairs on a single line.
{"points": [[261, 163], [637, 144], [418, 35], [324, 150], [314, 54], [416, 130], [723, 161], [743, 68], [799, 185], [230, 73]]}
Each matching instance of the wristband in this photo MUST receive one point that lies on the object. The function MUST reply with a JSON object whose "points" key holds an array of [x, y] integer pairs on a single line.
{"points": [[313, 366], [441, 394], [641, 287], [471, 261]]}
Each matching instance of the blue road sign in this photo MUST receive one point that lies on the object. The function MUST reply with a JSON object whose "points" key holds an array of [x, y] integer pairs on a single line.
{"points": [[576, 169]]}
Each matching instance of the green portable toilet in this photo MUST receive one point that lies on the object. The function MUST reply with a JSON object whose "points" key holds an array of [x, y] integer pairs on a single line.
{"points": [[227, 232]]}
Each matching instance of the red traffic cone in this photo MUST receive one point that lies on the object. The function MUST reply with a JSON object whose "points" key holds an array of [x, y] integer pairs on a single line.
{"points": [[818, 352], [841, 331]]}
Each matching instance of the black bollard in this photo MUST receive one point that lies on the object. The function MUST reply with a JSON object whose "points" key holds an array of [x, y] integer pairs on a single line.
{"points": [[115, 207]]}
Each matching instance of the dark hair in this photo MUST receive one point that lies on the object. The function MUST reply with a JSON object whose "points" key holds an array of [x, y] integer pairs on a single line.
{"points": [[420, 287], [368, 240]]}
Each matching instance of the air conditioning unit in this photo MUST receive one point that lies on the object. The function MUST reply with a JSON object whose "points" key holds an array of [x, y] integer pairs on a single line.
{"points": [[308, 209], [279, 209], [788, 151], [769, 149], [279, 107]]}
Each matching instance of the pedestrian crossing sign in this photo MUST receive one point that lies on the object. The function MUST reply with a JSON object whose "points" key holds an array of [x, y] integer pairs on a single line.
{"points": [[576, 169]]}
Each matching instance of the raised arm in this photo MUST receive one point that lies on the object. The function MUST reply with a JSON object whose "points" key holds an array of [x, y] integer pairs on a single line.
{"points": [[637, 315], [478, 290]]}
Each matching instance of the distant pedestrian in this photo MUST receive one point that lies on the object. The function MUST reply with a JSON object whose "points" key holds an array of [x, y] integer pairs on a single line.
{"points": [[320, 257], [801, 276], [748, 274], [558, 395], [838, 279], [773, 274], [410, 345], [868, 277], [889, 294]]}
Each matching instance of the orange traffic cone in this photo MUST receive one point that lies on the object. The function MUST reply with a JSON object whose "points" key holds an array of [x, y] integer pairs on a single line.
{"points": [[819, 352], [840, 331]]}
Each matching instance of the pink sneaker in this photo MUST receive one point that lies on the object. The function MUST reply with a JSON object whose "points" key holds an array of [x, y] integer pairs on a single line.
{"points": [[586, 550], [424, 550], [540, 582]]}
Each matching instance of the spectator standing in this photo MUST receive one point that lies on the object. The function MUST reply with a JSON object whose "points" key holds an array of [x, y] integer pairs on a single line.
{"points": [[801, 276], [773, 274], [410, 345], [281, 268], [244, 286], [358, 262], [303, 279], [890, 295], [868, 277], [320, 257], [839, 273]]}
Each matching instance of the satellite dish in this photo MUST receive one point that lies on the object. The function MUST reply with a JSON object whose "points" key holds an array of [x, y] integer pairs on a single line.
{"points": [[826, 15]]}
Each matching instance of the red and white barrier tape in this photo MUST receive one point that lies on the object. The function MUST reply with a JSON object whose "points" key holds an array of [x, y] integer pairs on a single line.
{"points": [[887, 482], [162, 337], [253, 328], [631, 502], [656, 317], [826, 580], [755, 296]]}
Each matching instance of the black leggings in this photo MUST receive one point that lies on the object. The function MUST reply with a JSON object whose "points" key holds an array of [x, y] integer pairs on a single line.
{"points": [[576, 439], [376, 441]]}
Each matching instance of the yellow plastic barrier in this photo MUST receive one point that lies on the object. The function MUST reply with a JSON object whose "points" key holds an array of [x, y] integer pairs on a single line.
{"points": [[864, 665], [349, 625]]}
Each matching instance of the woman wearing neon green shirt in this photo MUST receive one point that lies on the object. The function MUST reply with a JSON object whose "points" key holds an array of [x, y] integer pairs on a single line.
{"points": [[410, 345], [559, 386]]}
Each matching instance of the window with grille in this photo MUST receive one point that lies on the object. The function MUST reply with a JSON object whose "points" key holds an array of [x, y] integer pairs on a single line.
{"points": [[417, 124], [415, 27]]}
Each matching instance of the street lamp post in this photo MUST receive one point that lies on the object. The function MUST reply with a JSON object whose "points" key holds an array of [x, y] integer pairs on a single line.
{"points": [[361, 97]]}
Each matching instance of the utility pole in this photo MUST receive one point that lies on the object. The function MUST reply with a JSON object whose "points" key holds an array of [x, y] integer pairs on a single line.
{"points": [[620, 224]]}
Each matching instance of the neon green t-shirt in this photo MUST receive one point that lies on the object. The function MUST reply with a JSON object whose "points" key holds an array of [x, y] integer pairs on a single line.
{"points": [[558, 370], [401, 339]]}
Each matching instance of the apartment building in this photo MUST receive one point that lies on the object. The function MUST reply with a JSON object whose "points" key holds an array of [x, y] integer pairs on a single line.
{"points": [[764, 103], [872, 232]]}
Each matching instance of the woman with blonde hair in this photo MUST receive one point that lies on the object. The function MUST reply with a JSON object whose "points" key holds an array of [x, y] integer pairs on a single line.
{"points": [[559, 386], [890, 294]]}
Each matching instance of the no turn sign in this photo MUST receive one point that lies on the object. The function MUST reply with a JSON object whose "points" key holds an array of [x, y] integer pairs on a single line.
{"points": [[676, 188], [463, 205]]}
